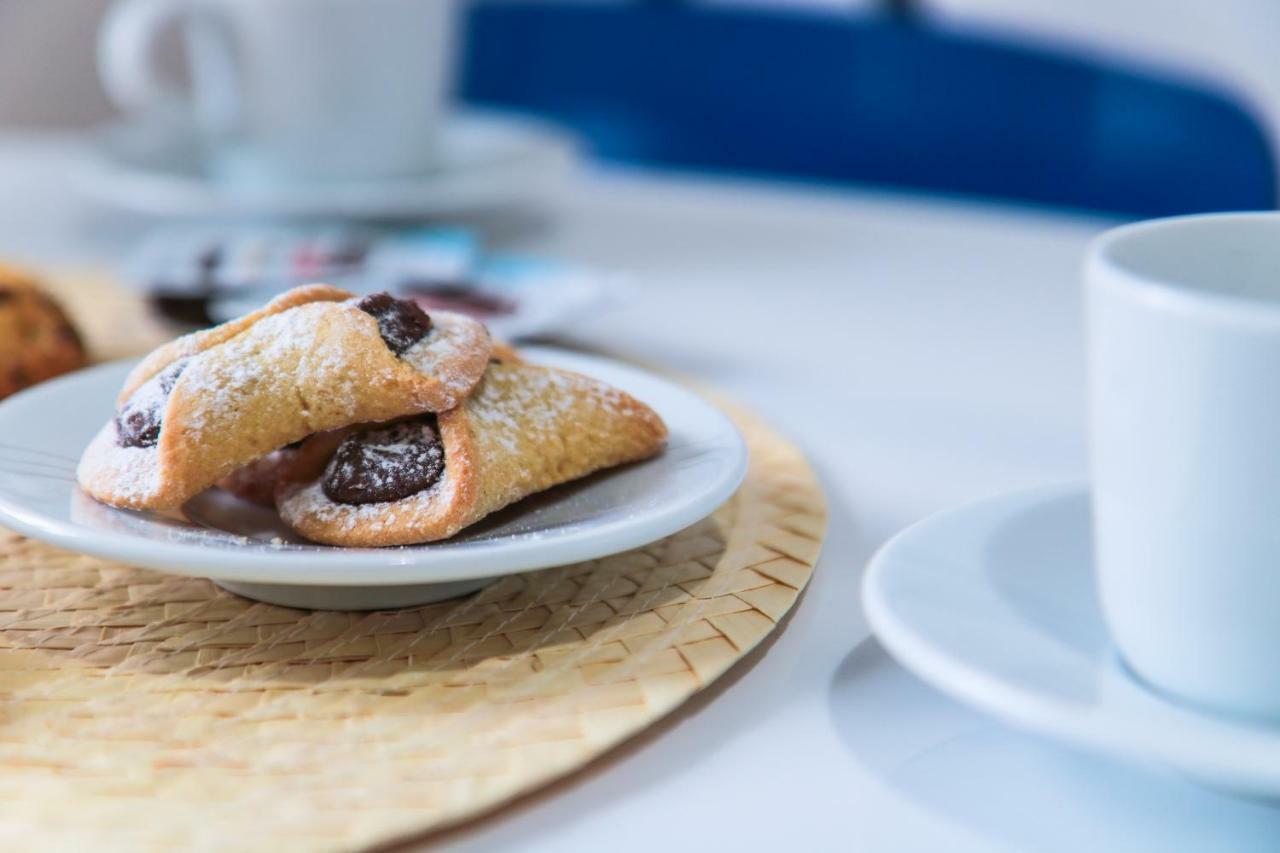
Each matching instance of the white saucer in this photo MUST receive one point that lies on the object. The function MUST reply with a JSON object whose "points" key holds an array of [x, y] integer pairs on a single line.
{"points": [[486, 161], [246, 549], [994, 603]]}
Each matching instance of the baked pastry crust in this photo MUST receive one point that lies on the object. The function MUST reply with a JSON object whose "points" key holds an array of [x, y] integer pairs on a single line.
{"points": [[524, 429], [37, 341], [257, 482], [306, 363], [197, 342]]}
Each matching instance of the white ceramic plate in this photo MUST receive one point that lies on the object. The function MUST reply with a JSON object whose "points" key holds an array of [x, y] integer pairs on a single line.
{"points": [[246, 548], [994, 603], [485, 161]]}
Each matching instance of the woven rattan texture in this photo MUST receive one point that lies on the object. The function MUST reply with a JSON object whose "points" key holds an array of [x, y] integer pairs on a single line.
{"points": [[139, 710]]}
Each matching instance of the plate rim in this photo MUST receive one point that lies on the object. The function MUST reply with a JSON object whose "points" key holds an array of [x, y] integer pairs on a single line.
{"points": [[369, 566], [1092, 727]]}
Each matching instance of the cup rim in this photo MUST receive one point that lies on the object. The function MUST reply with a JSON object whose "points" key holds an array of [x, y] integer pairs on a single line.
{"points": [[1102, 266]]}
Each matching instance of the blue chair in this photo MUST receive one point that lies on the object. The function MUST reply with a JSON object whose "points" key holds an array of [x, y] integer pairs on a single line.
{"points": [[832, 98]]}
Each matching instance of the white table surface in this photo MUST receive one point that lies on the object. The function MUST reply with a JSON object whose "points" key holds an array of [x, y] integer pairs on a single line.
{"points": [[924, 352]]}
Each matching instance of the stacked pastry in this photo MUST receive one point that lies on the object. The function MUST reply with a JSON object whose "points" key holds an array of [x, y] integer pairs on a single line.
{"points": [[365, 421]]}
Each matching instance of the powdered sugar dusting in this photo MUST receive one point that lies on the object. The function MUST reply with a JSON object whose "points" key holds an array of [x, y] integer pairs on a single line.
{"points": [[534, 405], [456, 351], [198, 342], [295, 339], [310, 501], [127, 475], [454, 354]]}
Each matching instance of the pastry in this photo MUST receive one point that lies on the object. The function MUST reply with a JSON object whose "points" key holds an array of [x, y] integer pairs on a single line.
{"points": [[257, 481], [314, 359], [197, 342], [37, 341], [524, 429]]}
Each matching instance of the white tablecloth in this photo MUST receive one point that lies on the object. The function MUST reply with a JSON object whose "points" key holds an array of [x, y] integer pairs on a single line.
{"points": [[924, 352]]}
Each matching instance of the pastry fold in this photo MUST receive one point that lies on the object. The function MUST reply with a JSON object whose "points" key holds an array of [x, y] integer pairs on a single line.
{"points": [[197, 342], [310, 361], [524, 429], [257, 481]]}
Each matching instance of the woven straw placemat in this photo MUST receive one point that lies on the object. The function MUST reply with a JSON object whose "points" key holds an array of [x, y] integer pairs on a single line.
{"points": [[143, 710]]}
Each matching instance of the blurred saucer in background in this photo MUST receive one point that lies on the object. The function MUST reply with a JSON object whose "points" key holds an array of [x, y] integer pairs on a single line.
{"points": [[485, 161]]}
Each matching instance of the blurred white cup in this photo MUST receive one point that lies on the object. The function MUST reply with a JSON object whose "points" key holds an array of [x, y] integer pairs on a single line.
{"points": [[1184, 352], [291, 90]]}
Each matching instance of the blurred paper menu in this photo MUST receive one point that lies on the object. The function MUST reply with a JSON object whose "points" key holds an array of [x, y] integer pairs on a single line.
{"points": [[204, 275]]}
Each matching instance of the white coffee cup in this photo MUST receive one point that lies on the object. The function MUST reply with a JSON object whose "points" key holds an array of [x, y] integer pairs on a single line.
{"points": [[1184, 360], [292, 90]]}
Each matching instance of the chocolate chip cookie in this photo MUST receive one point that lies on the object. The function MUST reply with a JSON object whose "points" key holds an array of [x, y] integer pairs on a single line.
{"points": [[37, 341]]}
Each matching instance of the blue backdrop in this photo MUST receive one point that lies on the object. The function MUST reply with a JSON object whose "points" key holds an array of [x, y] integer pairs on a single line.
{"points": [[846, 99]]}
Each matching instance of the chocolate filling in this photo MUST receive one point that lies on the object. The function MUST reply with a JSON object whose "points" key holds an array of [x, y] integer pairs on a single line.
{"points": [[385, 464], [138, 421], [400, 322]]}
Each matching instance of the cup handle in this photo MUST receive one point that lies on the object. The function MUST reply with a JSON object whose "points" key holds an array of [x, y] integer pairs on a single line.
{"points": [[127, 56]]}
